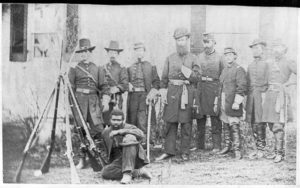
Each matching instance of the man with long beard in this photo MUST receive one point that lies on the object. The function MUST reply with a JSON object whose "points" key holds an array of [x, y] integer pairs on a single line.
{"points": [[180, 72], [274, 113], [117, 78], [208, 90]]}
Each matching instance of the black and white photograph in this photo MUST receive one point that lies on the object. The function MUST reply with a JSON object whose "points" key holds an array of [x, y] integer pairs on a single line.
{"points": [[149, 94]]}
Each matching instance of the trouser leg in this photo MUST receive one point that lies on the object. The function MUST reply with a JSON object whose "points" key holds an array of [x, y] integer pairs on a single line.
{"points": [[200, 135], [216, 132], [129, 154], [113, 171], [186, 130], [170, 140]]}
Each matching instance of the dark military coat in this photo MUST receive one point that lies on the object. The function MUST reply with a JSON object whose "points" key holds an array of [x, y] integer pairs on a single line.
{"points": [[278, 74], [151, 78], [257, 79], [172, 70], [233, 81], [117, 76], [211, 67], [88, 102]]}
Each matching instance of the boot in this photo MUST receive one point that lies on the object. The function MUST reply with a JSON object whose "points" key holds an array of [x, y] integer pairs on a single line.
{"points": [[272, 155], [127, 178], [227, 139], [216, 139], [142, 172], [279, 137], [82, 163], [163, 156], [200, 135], [237, 155], [236, 142], [261, 137]]}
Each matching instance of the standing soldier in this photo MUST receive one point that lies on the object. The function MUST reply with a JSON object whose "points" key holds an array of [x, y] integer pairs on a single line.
{"points": [[179, 74], [257, 76], [88, 85], [233, 88], [274, 112], [208, 89], [117, 79], [143, 88]]}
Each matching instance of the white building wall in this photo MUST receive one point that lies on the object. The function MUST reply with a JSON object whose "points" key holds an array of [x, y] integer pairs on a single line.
{"points": [[154, 25]]}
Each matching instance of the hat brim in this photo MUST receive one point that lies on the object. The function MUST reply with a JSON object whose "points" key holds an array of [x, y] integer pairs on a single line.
{"points": [[262, 43], [188, 35], [87, 49], [229, 52], [129, 143], [112, 49]]}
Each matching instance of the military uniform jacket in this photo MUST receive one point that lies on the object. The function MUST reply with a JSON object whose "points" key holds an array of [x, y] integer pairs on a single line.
{"points": [[130, 129], [257, 79], [278, 74], [151, 78], [172, 70], [117, 76], [88, 102], [233, 81], [211, 67]]}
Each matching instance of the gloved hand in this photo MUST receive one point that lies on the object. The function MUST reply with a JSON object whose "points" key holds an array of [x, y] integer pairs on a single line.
{"points": [[152, 95], [114, 90], [186, 71], [163, 93], [105, 103], [130, 87], [215, 108], [263, 96], [235, 106]]}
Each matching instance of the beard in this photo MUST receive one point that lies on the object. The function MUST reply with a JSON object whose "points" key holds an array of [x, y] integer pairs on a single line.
{"points": [[208, 50], [182, 50], [112, 59]]}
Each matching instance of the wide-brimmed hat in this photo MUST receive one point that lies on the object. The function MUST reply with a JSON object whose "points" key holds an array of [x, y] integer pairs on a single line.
{"points": [[229, 50], [85, 45], [129, 140], [180, 32], [114, 45], [258, 41]]}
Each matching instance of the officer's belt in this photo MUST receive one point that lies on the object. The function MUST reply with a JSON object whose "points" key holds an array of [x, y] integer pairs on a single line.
{"points": [[206, 78], [184, 97], [138, 89], [179, 82], [86, 91], [275, 87]]}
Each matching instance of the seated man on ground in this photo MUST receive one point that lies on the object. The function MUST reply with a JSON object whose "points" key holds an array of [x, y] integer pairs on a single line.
{"points": [[125, 153]]}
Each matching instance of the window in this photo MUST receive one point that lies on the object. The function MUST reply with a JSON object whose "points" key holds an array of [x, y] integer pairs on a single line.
{"points": [[18, 32]]}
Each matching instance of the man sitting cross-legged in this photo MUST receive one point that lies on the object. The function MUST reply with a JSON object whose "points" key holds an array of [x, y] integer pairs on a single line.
{"points": [[126, 155]]}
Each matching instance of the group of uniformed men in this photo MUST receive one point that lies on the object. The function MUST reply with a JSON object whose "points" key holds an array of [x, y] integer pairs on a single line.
{"points": [[210, 85]]}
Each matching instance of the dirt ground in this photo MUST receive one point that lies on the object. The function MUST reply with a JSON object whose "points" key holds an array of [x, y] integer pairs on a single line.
{"points": [[203, 168]]}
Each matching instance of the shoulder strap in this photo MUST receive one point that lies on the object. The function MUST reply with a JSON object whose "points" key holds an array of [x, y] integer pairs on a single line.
{"points": [[86, 72]]}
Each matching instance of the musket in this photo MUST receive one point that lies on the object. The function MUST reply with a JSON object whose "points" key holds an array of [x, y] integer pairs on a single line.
{"points": [[31, 138], [92, 151], [46, 163]]}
